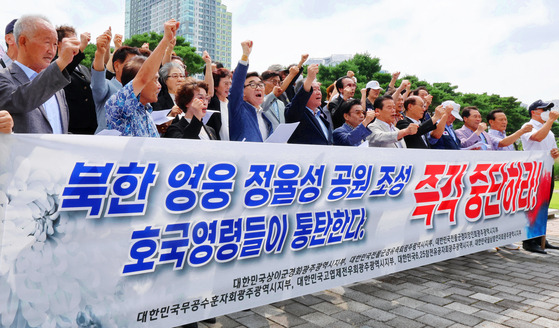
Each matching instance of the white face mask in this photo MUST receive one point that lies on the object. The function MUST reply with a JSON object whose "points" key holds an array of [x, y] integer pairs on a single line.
{"points": [[545, 116]]}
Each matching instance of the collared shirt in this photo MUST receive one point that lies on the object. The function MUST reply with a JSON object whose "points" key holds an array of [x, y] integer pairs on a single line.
{"points": [[468, 138], [102, 89], [224, 110], [499, 135], [262, 124], [450, 131], [392, 128], [444, 141], [484, 142], [320, 122], [128, 115], [51, 105], [388, 125], [548, 143], [414, 120], [346, 135], [275, 109], [418, 122], [244, 123]]}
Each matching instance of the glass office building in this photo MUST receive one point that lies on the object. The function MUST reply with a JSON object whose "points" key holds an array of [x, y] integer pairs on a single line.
{"points": [[205, 24]]}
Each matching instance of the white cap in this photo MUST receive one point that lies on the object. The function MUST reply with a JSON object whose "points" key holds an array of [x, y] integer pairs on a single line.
{"points": [[373, 85], [455, 109]]}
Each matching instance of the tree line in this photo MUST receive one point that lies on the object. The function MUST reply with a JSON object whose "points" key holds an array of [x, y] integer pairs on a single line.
{"points": [[366, 68]]}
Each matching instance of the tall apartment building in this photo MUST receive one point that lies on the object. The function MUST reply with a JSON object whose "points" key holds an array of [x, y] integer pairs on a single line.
{"points": [[205, 24]]}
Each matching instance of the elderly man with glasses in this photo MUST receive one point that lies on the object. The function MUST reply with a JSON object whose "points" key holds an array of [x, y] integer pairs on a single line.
{"points": [[274, 108], [246, 119]]}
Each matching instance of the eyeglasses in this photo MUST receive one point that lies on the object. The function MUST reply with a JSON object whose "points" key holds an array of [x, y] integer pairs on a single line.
{"points": [[274, 82], [176, 76], [253, 85]]}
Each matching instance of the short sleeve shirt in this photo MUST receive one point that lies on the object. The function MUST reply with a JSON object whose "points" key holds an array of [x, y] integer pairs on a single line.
{"points": [[127, 114], [548, 143]]}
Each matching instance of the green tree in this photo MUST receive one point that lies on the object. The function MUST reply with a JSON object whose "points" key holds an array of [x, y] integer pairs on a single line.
{"points": [[89, 53], [516, 114], [194, 62], [138, 40], [368, 68], [442, 92], [364, 66]]}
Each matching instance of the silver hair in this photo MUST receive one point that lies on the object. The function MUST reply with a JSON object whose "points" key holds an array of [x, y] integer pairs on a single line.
{"points": [[164, 71], [27, 25]]}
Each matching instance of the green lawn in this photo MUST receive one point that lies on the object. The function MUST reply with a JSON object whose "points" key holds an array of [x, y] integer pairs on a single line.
{"points": [[555, 199]]}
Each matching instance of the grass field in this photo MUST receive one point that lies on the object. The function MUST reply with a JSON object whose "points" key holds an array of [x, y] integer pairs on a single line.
{"points": [[555, 199]]}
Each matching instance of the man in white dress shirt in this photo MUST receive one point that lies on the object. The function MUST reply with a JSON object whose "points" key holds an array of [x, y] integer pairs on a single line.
{"points": [[384, 132], [541, 138]]}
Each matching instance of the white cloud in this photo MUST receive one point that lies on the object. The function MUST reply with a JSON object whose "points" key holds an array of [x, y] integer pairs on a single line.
{"points": [[94, 17], [479, 45], [462, 42]]}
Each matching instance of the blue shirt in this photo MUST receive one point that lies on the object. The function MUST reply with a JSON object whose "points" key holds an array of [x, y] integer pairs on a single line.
{"points": [[127, 114], [51, 105], [346, 135], [448, 140], [498, 135], [102, 89]]}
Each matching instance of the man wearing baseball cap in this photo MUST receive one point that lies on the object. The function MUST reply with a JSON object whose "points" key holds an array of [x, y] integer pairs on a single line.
{"points": [[11, 53], [444, 137], [541, 138]]}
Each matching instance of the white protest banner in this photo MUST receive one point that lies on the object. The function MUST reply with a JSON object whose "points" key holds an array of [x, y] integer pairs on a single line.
{"points": [[139, 232]]}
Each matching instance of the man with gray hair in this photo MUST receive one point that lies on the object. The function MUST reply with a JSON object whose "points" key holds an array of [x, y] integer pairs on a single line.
{"points": [[31, 88]]}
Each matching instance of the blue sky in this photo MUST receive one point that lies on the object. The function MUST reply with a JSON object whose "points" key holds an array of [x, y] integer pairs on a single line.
{"points": [[502, 47]]}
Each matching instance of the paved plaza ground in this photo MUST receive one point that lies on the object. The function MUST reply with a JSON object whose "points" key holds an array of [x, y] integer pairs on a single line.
{"points": [[486, 289]]}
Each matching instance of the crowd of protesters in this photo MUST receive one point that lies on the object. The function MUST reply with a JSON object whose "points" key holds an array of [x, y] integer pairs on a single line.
{"points": [[45, 89]]}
